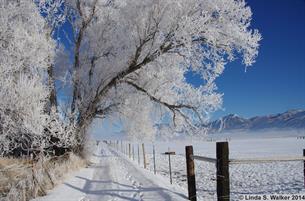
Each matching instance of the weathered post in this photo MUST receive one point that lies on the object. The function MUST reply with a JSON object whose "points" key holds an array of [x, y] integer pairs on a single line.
{"points": [[123, 147], [144, 157], [169, 153], [190, 172], [138, 154], [154, 156], [170, 168], [132, 151], [304, 166], [222, 173], [129, 150]]}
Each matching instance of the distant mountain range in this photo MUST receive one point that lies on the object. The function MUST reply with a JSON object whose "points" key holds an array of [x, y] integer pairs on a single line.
{"points": [[292, 119]]}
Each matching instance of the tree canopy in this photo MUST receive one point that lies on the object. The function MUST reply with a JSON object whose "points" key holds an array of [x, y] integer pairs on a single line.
{"points": [[129, 59]]}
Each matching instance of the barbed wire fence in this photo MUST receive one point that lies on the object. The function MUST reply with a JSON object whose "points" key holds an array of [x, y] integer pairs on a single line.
{"points": [[236, 177], [221, 178]]}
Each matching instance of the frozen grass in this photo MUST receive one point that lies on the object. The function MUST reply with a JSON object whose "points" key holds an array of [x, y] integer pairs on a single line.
{"points": [[9, 171], [21, 180]]}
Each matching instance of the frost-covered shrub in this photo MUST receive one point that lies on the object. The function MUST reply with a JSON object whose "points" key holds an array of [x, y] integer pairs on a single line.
{"points": [[25, 53]]}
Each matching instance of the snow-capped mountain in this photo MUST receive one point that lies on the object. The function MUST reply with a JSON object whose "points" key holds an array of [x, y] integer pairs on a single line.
{"points": [[292, 119]]}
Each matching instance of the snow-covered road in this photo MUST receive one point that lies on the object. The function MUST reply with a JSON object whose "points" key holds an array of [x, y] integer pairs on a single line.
{"points": [[114, 178]]}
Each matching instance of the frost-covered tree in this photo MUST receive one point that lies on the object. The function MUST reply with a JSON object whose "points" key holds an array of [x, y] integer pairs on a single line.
{"points": [[26, 50], [129, 61], [131, 57]]}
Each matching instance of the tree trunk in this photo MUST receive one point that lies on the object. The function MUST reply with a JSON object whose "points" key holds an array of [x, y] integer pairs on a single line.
{"points": [[53, 97]]}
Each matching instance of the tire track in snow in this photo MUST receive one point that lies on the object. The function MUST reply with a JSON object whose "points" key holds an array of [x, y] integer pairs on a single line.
{"points": [[117, 179]]}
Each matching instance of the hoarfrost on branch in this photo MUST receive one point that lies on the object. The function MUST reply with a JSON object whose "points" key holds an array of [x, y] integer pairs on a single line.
{"points": [[128, 62]]}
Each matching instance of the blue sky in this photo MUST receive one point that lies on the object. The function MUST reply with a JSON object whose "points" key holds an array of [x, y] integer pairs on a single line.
{"points": [[276, 82]]}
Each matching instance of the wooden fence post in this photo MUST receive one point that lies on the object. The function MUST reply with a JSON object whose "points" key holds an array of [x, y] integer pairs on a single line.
{"points": [[144, 157], [123, 147], [190, 171], [154, 156], [170, 168], [129, 150], [304, 166], [132, 151], [138, 154], [222, 173]]}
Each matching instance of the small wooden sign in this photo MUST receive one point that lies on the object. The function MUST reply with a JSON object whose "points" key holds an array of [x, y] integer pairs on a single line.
{"points": [[170, 153]]}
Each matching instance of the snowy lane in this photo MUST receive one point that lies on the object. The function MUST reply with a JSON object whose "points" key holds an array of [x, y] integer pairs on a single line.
{"points": [[115, 178], [119, 179]]}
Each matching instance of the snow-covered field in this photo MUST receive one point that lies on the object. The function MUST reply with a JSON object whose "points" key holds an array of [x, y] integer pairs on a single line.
{"points": [[275, 177]]}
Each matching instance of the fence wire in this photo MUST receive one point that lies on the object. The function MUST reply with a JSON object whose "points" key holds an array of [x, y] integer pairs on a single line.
{"points": [[205, 173], [258, 177], [205, 180]]}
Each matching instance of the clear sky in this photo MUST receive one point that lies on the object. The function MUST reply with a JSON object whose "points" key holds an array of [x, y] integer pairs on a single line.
{"points": [[276, 82]]}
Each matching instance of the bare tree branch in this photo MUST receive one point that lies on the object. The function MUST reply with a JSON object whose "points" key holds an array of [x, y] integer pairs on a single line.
{"points": [[173, 107]]}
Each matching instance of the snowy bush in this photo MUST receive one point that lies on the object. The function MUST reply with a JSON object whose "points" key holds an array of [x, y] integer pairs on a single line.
{"points": [[25, 53]]}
